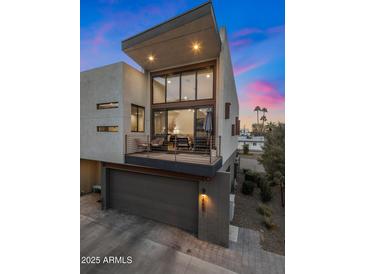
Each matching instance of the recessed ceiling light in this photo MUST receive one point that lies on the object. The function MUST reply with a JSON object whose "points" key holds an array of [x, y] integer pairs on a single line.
{"points": [[196, 46], [151, 58]]}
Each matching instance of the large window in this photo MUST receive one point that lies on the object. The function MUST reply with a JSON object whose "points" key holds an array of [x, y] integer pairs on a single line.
{"points": [[173, 88], [137, 118], [205, 84], [181, 122], [159, 84], [188, 122], [160, 122], [188, 86], [184, 86], [201, 115]]}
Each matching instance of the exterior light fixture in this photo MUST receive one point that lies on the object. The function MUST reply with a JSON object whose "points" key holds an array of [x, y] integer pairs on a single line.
{"points": [[185, 98], [208, 75], [151, 58], [204, 196], [169, 82], [196, 46]]}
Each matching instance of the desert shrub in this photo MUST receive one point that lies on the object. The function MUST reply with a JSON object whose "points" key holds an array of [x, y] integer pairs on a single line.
{"points": [[264, 210], [273, 157], [248, 187], [277, 179], [254, 176], [265, 193], [249, 176], [245, 149], [268, 222], [261, 180]]}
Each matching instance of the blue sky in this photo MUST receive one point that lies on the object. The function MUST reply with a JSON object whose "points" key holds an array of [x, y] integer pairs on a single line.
{"points": [[255, 32]]}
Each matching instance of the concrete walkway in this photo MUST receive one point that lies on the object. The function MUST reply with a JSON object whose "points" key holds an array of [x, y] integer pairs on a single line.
{"points": [[251, 163], [159, 248]]}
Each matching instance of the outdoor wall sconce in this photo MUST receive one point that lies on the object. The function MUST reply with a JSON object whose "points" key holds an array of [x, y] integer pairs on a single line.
{"points": [[203, 199]]}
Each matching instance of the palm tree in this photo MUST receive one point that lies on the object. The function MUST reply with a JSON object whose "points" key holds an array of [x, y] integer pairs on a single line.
{"points": [[269, 126], [257, 109], [264, 111], [263, 118]]}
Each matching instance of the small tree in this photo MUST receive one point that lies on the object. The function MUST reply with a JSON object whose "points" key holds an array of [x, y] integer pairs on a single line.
{"points": [[273, 157], [245, 149]]}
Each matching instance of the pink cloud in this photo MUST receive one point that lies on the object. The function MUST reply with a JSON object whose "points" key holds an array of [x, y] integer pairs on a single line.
{"points": [[261, 93], [237, 70], [241, 42], [276, 29], [99, 37], [246, 31]]}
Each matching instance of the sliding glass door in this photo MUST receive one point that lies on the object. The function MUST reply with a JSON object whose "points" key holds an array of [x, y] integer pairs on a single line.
{"points": [[190, 123]]}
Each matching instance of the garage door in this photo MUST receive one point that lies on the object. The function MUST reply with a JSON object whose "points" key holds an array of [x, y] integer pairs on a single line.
{"points": [[168, 200]]}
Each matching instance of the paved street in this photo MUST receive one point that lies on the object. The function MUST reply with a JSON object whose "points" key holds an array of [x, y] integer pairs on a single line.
{"points": [[159, 248]]}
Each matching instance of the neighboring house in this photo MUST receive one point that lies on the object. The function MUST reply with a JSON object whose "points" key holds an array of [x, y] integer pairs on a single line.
{"points": [[255, 143], [165, 140]]}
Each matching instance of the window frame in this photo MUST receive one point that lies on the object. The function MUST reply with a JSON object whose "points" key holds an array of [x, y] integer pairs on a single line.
{"points": [[144, 118], [195, 108], [179, 71]]}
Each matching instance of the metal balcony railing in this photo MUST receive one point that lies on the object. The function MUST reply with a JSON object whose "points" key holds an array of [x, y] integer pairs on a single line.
{"points": [[204, 149]]}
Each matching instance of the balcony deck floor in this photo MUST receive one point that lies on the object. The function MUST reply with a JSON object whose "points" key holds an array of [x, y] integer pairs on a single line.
{"points": [[193, 158]]}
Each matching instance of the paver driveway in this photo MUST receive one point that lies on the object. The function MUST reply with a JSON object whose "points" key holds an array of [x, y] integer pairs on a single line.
{"points": [[160, 248]]}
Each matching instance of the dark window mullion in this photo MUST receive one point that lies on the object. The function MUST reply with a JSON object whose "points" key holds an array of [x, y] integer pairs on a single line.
{"points": [[196, 85], [137, 120], [180, 89], [165, 88]]}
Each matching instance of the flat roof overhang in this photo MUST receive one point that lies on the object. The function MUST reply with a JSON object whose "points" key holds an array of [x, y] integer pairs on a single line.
{"points": [[171, 43]]}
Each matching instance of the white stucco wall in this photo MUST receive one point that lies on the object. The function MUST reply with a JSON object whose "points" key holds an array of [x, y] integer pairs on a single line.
{"points": [[226, 93], [134, 86]]}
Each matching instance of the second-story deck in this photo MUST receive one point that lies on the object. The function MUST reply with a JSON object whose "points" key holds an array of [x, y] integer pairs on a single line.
{"points": [[198, 156]]}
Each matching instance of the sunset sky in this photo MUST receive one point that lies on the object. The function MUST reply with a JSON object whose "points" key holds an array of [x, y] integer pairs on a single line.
{"points": [[255, 33]]}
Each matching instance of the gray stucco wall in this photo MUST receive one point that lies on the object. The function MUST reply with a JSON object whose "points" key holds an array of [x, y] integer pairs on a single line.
{"points": [[101, 85], [214, 222], [226, 93], [113, 83]]}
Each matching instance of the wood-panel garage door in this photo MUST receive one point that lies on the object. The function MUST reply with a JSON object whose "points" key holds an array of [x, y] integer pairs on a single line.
{"points": [[168, 200]]}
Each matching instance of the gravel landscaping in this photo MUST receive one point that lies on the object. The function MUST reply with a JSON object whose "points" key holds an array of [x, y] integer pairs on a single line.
{"points": [[246, 215]]}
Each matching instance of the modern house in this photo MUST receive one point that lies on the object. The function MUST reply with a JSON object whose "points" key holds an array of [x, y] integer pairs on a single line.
{"points": [[162, 142]]}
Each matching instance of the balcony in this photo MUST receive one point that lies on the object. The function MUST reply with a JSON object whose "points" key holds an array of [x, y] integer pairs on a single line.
{"points": [[197, 156]]}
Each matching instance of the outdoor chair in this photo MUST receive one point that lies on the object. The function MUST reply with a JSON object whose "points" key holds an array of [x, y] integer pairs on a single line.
{"points": [[157, 143], [141, 144], [182, 143]]}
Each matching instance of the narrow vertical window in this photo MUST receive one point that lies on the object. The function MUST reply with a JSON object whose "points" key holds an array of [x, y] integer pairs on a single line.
{"points": [[173, 88], [159, 85], [137, 118], [205, 84], [188, 86], [227, 110]]}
